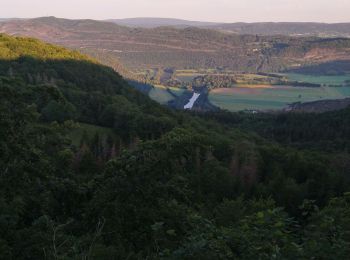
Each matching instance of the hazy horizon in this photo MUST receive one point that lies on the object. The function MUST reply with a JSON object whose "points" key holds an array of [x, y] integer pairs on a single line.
{"points": [[220, 11]]}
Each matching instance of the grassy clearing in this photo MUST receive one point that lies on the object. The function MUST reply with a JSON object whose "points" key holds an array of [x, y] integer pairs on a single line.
{"points": [[255, 86], [161, 94], [325, 80], [276, 97], [187, 78], [186, 71], [177, 91], [187, 75]]}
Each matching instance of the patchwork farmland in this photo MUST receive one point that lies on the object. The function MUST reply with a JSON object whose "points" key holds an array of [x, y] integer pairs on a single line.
{"points": [[271, 97]]}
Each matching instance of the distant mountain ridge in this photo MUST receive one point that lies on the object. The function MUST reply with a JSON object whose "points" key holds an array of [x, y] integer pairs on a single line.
{"points": [[255, 28], [149, 22], [287, 28], [9, 19], [191, 47], [260, 28]]}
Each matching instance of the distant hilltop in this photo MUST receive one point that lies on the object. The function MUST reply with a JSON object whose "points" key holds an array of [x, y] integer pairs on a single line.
{"points": [[265, 28], [324, 30], [124, 47], [149, 22]]}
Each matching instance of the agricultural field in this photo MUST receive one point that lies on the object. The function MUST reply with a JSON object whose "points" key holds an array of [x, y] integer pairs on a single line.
{"points": [[323, 80], [186, 76], [163, 94], [260, 97], [249, 91]]}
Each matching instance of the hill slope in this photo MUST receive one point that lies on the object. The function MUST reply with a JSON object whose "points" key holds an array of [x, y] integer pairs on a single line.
{"points": [[262, 28], [151, 183], [149, 22], [139, 48], [94, 93], [298, 29]]}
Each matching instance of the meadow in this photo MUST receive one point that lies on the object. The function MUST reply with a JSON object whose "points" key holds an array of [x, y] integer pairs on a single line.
{"points": [[162, 94], [187, 76], [323, 80], [257, 91], [271, 97]]}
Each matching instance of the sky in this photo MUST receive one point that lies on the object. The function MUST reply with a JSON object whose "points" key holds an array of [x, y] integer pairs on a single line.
{"points": [[330, 11]]}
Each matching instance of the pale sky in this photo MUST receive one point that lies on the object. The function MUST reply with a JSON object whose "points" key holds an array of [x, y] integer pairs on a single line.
{"points": [[200, 10]]}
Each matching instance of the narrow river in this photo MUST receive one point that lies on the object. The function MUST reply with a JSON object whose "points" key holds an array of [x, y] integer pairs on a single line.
{"points": [[193, 99]]}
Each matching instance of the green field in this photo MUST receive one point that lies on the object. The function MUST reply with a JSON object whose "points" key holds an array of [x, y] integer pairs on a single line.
{"points": [[187, 76], [272, 98], [323, 80], [161, 94], [258, 92]]}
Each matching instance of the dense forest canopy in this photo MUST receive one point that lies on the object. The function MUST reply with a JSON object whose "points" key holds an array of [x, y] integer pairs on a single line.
{"points": [[14, 48], [92, 169]]}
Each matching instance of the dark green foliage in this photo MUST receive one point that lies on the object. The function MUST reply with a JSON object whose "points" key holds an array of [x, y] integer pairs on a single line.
{"points": [[159, 184], [328, 131], [55, 111]]}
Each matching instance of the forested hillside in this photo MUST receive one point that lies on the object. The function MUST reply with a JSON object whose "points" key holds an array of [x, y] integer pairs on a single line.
{"points": [[149, 22], [285, 28], [198, 48], [92, 169], [276, 28]]}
